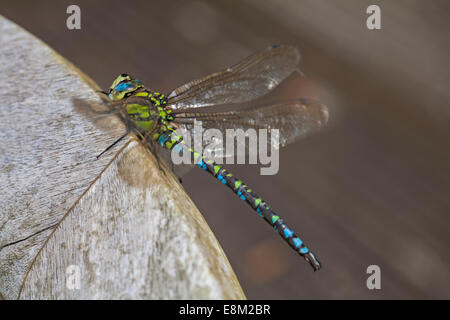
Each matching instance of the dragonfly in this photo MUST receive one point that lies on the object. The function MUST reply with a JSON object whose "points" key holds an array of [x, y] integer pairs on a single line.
{"points": [[230, 99]]}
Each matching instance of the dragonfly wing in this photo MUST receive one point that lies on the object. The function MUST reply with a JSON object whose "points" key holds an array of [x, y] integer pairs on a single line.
{"points": [[165, 155], [293, 119], [251, 78]]}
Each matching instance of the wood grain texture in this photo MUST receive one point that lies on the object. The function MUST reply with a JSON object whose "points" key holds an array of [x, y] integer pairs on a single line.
{"points": [[127, 225]]}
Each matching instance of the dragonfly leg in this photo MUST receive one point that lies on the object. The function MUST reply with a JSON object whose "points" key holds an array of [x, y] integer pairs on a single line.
{"points": [[172, 166], [153, 150], [113, 144], [151, 146], [103, 92]]}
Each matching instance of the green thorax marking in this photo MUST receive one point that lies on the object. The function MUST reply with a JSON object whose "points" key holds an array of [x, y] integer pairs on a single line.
{"points": [[147, 116]]}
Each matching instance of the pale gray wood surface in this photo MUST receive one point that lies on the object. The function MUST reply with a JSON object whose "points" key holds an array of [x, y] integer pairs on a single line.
{"points": [[128, 226]]}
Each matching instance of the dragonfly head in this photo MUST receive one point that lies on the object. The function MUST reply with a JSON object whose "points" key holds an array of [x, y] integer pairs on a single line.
{"points": [[123, 87]]}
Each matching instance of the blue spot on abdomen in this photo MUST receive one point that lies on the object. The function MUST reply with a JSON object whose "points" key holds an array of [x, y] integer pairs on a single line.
{"points": [[288, 233], [304, 250], [297, 242]]}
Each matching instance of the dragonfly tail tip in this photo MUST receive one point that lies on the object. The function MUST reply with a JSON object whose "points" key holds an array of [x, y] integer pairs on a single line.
{"points": [[311, 258]]}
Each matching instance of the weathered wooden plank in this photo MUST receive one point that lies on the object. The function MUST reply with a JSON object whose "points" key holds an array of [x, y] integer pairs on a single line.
{"points": [[128, 226]]}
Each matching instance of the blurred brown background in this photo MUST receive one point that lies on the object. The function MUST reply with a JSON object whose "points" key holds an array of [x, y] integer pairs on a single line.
{"points": [[373, 188]]}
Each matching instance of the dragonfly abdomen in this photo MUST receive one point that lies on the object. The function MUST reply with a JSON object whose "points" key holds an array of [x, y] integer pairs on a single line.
{"points": [[172, 140], [261, 207]]}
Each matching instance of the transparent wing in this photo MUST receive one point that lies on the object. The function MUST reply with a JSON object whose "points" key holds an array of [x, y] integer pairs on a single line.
{"points": [[293, 119], [249, 79], [165, 155]]}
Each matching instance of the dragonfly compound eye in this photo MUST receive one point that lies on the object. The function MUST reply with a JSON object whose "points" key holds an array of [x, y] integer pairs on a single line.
{"points": [[124, 86]]}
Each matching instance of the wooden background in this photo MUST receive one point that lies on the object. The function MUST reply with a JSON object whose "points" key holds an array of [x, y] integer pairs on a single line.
{"points": [[373, 188]]}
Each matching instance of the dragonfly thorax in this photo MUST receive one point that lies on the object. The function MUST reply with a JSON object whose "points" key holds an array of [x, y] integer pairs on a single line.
{"points": [[146, 114], [151, 112]]}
